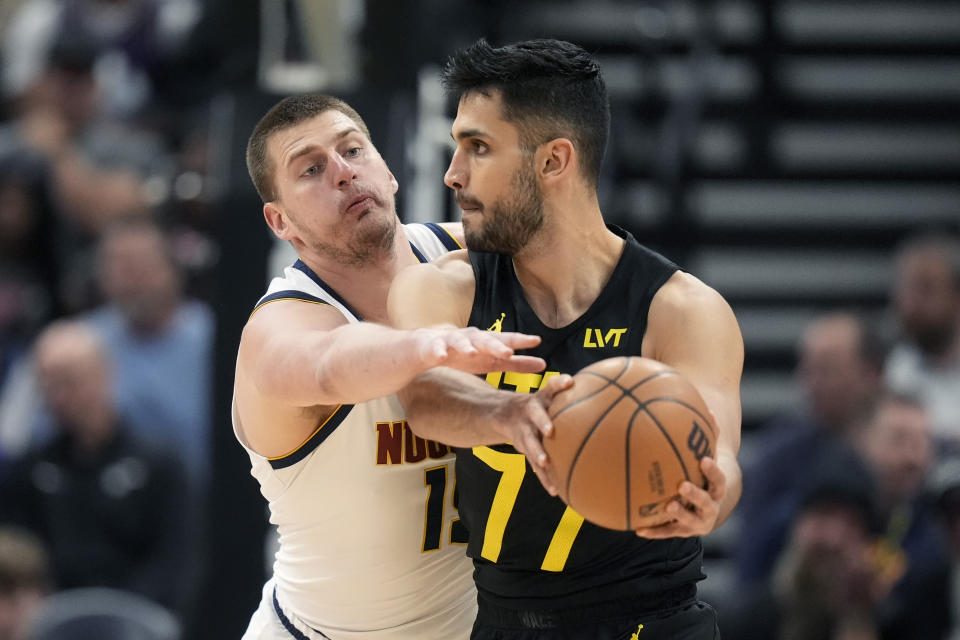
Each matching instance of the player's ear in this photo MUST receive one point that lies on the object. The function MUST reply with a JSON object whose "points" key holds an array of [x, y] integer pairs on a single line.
{"points": [[276, 220], [393, 182], [556, 158]]}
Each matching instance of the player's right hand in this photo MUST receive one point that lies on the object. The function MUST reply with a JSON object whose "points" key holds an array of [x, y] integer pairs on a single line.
{"points": [[526, 423], [475, 351]]}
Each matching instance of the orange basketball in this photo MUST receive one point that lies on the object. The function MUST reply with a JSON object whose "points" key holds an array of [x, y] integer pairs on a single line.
{"points": [[627, 433]]}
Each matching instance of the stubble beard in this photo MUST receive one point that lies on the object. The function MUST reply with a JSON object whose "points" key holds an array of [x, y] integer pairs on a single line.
{"points": [[512, 221], [372, 241]]}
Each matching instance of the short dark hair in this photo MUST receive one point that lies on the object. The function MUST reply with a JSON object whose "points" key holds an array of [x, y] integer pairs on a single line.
{"points": [[549, 88], [287, 113]]}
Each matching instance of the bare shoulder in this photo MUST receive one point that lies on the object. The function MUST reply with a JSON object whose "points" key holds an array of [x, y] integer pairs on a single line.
{"points": [[684, 293], [437, 292], [286, 317], [686, 309]]}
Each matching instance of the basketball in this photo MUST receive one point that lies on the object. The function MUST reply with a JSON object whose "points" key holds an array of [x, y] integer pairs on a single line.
{"points": [[626, 435]]}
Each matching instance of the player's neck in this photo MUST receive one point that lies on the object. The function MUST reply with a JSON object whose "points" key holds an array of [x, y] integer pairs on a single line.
{"points": [[365, 287], [567, 264]]}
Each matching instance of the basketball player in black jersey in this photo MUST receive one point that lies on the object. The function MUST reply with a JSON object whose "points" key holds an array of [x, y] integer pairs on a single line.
{"points": [[530, 133]]}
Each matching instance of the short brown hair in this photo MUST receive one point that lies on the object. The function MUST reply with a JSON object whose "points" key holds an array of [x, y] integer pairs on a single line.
{"points": [[287, 113]]}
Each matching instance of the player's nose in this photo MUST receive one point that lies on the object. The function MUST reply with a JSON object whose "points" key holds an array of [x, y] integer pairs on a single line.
{"points": [[455, 176], [343, 172]]}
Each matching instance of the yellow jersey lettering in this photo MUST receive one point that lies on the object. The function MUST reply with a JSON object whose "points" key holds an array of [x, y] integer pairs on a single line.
{"points": [[615, 334], [594, 338], [524, 382]]}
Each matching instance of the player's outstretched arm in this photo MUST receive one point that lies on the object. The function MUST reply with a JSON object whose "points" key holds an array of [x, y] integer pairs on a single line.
{"points": [[692, 329], [451, 407], [303, 354]]}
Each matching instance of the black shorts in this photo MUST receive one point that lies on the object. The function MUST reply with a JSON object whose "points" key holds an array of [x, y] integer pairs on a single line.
{"points": [[689, 620]]}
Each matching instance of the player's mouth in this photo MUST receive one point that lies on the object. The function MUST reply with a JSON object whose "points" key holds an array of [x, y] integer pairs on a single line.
{"points": [[468, 205], [360, 204]]}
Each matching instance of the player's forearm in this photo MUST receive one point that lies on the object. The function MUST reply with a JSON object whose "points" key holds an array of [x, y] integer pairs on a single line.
{"points": [[352, 363], [453, 407], [727, 461]]}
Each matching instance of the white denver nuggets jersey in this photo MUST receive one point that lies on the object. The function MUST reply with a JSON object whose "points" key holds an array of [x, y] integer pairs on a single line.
{"points": [[370, 545]]}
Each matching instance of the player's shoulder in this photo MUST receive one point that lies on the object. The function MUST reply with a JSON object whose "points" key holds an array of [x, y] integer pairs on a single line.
{"points": [[288, 316], [450, 269], [685, 293]]}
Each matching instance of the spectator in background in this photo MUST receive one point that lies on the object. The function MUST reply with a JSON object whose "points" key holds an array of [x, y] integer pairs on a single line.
{"points": [[825, 585], [160, 344], [109, 508], [840, 367], [94, 170], [926, 360], [944, 489], [135, 43], [896, 447], [24, 580]]}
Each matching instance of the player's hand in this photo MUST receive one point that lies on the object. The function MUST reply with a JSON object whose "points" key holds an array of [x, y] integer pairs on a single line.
{"points": [[475, 351], [696, 510], [526, 423]]}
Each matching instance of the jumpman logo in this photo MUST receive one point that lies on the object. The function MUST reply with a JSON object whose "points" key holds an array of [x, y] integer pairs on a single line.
{"points": [[636, 633], [498, 325]]}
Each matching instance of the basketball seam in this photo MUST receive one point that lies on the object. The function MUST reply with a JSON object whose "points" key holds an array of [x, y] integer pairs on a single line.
{"points": [[683, 465], [586, 438], [611, 381], [682, 404]]}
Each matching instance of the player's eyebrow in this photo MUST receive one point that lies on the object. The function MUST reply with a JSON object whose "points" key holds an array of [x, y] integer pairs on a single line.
{"points": [[310, 148], [469, 133]]}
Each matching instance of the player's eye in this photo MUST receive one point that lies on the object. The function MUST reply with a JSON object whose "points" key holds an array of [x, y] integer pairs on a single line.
{"points": [[479, 148], [353, 152], [312, 170]]}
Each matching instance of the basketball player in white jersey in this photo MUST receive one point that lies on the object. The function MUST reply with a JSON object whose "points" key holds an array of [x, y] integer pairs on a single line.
{"points": [[370, 545]]}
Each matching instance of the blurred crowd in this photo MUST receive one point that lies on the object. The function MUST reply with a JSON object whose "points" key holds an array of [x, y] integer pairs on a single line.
{"points": [[851, 506], [106, 333], [851, 509]]}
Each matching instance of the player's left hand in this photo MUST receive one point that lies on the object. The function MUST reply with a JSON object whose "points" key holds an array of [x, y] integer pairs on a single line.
{"points": [[696, 510]]}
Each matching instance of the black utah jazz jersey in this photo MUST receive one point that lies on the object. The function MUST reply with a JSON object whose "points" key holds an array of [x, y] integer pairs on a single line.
{"points": [[529, 549]]}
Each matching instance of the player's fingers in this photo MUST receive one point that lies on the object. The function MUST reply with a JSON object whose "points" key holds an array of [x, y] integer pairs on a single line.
{"points": [[487, 343], [716, 480], [555, 385], [662, 532], [521, 364], [460, 341], [516, 340], [696, 497]]}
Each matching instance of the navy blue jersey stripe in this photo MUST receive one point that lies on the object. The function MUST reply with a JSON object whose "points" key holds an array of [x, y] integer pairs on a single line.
{"points": [[451, 243], [417, 253], [299, 264], [315, 440], [285, 621], [289, 294]]}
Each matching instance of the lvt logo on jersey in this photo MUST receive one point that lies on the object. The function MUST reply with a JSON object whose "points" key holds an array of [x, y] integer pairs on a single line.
{"points": [[594, 338]]}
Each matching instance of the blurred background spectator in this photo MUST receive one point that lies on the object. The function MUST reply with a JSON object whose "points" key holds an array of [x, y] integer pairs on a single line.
{"points": [[840, 364], [825, 585], [24, 580], [896, 445], [926, 301], [109, 507], [793, 154]]}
